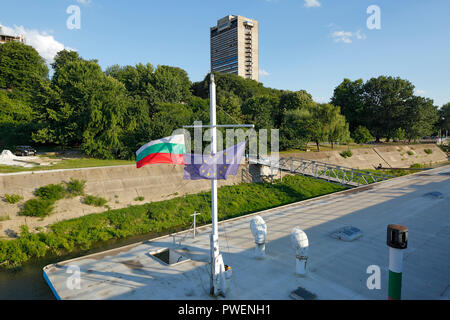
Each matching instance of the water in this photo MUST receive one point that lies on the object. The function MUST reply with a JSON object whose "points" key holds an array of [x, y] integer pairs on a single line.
{"points": [[29, 284], [26, 284]]}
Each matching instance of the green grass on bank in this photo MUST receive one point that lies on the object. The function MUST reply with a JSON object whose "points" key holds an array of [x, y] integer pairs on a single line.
{"points": [[84, 233], [68, 164]]}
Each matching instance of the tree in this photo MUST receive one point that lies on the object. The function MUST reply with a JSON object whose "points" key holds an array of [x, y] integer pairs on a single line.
{"points": [[295, 129], [399, 135], [169, 117], [444, 118], [386, 99], [362, 135], [230, 104], [22, 68], [291, 101], [171, 84], [16, 123], [83, 107], [329, 125], [419, 118], [349, 95], [259, 111]]}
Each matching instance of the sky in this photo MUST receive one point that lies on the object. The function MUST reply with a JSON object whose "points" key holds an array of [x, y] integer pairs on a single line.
{"points": [[303, 44]]}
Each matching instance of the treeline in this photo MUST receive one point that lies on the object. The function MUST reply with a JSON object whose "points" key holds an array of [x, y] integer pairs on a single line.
{"points": [[388, 108], [110, 114]]}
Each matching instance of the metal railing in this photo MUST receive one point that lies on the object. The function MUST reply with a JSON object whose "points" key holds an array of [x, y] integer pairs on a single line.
{"points": [[324, 171]]}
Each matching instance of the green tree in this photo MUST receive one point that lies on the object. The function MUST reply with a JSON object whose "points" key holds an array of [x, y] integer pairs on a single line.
{"points": [[349, 96], [295, 129], [22, 68], [420, 118], [444, 118], [16, 121], [291, 101], [362, 135], [386, 100], [83, 107], [399, 135], [259, 111], [329, 125], [171, 84], [169, 117]]}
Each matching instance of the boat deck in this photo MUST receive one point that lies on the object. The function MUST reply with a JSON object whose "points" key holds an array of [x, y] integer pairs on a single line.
{"points": [[336, 269]]}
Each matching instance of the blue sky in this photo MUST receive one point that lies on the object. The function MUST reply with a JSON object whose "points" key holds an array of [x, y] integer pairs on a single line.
{"points": [[312, 47]]}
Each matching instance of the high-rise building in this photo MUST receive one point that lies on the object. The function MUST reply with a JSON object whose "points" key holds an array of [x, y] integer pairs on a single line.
{"points": [[234, 47], [8, 38]]}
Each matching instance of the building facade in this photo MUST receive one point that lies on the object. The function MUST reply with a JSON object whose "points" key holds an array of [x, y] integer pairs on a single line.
{"points": [[10, 38], [234, 47]]}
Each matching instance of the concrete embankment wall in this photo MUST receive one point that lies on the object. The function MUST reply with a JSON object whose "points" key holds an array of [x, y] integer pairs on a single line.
{"points": [[388, 156], [120, 185]]}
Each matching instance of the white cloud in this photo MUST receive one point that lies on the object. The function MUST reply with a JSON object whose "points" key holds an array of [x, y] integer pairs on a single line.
{"points": [[347, 36], [44, 43], [420, 92], [263, 73], [84, 1], [360, 36], [312, 3], [342, 36]]}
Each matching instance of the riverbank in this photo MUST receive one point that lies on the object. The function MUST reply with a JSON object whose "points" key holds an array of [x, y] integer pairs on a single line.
{"points": [[84, 233]]}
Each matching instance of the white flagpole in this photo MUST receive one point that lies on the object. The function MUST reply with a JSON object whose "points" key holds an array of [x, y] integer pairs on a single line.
{"points": [[214, 241]]}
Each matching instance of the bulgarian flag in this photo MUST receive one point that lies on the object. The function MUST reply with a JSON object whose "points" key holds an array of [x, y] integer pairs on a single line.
{"points": [[166, 150]]}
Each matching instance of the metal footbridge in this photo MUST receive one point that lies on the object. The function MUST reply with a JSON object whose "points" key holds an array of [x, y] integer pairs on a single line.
{"points": [[320, 170]]}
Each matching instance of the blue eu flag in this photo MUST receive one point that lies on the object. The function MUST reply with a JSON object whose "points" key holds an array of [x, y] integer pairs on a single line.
{"points": [[214, 166]]}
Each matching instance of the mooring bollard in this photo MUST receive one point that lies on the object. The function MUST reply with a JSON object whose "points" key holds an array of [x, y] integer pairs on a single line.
{"points": [[397, 240]]}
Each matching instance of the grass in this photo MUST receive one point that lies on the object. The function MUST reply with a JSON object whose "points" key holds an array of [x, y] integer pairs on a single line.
{"points": [[428, 151], [140, 198], [12, 198], [47, 196], [37, 208], [346, 154], [327, 147], [76, 187], [4, 218], [68, 164], [51, 192], [157, 218], [94, 201]]}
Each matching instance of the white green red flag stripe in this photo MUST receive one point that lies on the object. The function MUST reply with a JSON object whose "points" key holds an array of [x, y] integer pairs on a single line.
{"points": [[166, 150]]}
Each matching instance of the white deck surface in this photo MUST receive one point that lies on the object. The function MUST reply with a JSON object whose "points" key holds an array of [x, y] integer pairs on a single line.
{"points": [[336, 269]]}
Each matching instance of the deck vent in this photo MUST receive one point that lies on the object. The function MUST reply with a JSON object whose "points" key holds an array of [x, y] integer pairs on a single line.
{"points": [[347, 233], [302, 294], [434, 195], [168, 256]]}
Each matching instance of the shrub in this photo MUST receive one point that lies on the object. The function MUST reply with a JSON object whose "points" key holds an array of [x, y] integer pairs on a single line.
{"points": [[51, 192], [4, 218], [428, 151], [140, 198], [410, 153], [37, 208], [399, 134], [76, 187], [416, 166], [13, 198], [346, 154], [362, 135], [94, 201]]}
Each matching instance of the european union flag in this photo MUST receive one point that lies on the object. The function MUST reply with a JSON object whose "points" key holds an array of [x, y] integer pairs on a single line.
{"points": [[218, 166]]}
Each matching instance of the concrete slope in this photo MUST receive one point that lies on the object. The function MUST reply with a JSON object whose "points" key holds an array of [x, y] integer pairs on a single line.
{"points": [[388, 156], [120, 185]]}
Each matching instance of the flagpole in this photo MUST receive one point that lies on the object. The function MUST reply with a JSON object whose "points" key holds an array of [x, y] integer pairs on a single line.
{"points": [[214, 241]]}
